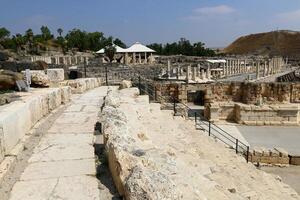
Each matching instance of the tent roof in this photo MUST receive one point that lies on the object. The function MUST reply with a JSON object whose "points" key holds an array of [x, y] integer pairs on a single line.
{"points": [[135, 48], [118, 49], [216, 61], [138, 47]]}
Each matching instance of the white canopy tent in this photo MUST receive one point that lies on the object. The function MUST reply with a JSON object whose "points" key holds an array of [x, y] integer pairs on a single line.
{"points": [[118, 49], [136, 54]]}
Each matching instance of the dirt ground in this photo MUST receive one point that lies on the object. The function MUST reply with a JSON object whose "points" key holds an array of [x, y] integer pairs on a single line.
{"points": [[290, 175]]}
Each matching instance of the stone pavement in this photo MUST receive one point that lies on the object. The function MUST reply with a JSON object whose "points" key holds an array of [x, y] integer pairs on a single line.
{"points": [[63, 164], [273, 136]]}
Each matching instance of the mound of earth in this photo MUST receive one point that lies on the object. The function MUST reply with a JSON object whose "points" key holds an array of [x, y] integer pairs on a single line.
{"points": [[283, 43]]}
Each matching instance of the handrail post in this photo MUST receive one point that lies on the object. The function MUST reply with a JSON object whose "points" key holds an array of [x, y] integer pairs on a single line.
{"points": [[155, 94], [140, 85], [195, 118], [209, 128], [236, 146], [106, 78], [174, 106], [247, 154]]}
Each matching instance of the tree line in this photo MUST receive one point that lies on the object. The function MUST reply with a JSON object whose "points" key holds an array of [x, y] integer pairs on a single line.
{"points": [[182, 47], [89, 41], [74, 39]]}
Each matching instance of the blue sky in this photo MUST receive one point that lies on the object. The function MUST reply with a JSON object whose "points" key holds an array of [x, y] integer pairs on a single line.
{"points": [[214, 22]]}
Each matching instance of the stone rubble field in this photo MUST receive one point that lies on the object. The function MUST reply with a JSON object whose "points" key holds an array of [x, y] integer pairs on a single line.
{"points": [[154, 155]]}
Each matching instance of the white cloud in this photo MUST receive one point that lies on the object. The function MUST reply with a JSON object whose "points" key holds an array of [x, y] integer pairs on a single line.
{"points": [[292, 16], [214, 10]]}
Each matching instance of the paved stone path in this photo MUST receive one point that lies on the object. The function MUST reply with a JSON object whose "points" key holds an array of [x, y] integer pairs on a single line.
{"points": [[273, 136], [63, 164]]}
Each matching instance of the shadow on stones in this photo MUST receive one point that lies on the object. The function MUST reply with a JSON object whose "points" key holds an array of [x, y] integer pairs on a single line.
{"points": [[103, 173]]}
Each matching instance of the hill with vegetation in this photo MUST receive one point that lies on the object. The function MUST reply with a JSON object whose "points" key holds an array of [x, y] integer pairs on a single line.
{"points": [[284, 43], [79, 40], [76, 39]]}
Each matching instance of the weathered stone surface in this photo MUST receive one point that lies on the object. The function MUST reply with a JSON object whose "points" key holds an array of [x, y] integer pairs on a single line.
{"points": [[154, 155], [18, 117], [125, 84], [81, 85], [39, 79], [56, 75], [8, 79]]}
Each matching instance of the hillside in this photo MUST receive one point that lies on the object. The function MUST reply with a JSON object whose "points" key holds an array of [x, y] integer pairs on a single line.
{"points": [[285, 43]]}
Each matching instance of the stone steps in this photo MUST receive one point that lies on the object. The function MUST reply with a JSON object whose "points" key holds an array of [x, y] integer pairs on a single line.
{"points": [[153, 154]]}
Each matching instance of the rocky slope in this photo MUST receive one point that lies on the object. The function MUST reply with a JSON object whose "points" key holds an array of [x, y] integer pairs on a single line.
{"points": [[154, 155], [285, 43]]}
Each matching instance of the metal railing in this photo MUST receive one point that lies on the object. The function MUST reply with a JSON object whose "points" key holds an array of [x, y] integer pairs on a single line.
{"points": [[172, 103], [201, 123]]}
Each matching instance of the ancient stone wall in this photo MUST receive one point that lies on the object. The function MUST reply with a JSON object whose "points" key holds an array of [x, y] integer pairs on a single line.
{"points": [[269, 156]]}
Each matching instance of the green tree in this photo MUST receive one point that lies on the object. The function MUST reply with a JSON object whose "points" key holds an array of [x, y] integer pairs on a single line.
{"points": [[77, 39], [110, 52], [119, 42], [19, 41], [4, 33], [60, 31], [46, 33]]}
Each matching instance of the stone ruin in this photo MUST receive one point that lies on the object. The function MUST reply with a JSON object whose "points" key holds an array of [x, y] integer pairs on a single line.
{"points": [[244, 103], [181, 164], [210, 70]]}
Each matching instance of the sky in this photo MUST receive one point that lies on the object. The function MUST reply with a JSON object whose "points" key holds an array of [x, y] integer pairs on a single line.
{"points": [[217, 23]]}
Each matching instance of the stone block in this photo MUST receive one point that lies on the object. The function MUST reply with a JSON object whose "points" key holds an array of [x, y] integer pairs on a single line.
{"points": [[258, 151], [66, 93], [17, 118], [295, 160], [56, 75], [2, 154], [14, 122], [282, 152]]}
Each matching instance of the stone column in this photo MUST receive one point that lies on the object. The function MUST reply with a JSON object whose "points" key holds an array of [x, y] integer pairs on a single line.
{"points": [[265, 67], [194, 73], [208, 73], [202, 74], [140, 58], [257, 70], [145, 61], [134, 58], [177, 73], [126, 59], [245, 66], [169, 69], [151, 58], [188, 69], [234, 66]]}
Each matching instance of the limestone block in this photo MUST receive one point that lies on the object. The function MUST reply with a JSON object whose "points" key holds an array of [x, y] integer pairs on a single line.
{"points": [[39, 78], [258, 151], [66, 93], [1, 145], [125, 84], [54, 98], [282, 152], [15, 121], [295, 160], [274, 152], [56, 75]]}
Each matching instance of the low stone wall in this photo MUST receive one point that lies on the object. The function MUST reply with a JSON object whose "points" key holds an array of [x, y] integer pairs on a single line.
{"points": [[81, 85], [287, 114], [282, 114], [181, 164], [269, 156], [18, 117]]}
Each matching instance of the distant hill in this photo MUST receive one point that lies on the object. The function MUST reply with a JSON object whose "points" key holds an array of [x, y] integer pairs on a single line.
{"points": [[284, 43]]}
